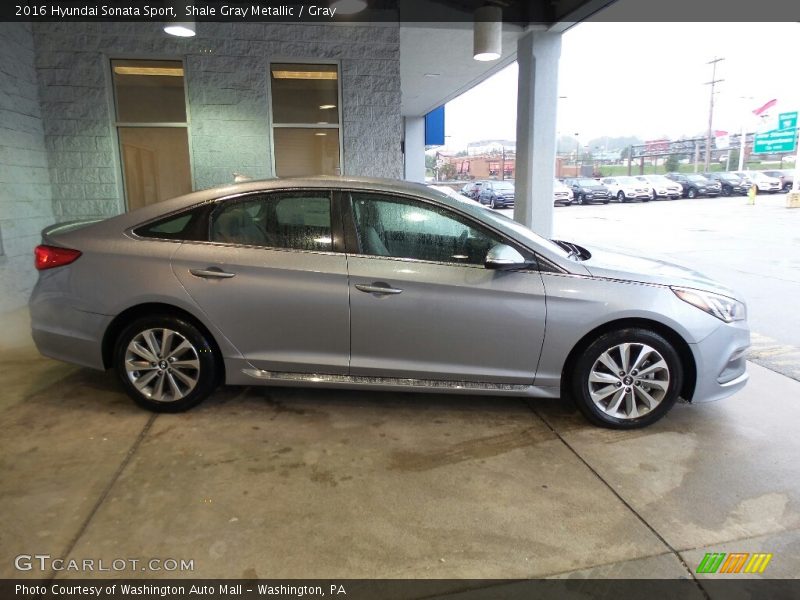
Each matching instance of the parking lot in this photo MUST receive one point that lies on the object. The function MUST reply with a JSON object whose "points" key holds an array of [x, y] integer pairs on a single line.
{"points": [[277, 482]]}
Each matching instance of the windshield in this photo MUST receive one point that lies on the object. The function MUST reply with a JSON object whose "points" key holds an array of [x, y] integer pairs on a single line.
{"points": [[698, 178], [587, 182], [505, 186]]}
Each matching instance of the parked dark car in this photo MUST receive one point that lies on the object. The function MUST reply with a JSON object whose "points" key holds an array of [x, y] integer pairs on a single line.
{"points": [[497, 194], [695, 185], [786, 176], [586, 190], [731, 183], [472, 189]]}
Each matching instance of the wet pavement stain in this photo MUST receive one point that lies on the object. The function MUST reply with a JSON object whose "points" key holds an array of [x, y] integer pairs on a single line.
{"points": [[479, 448]]}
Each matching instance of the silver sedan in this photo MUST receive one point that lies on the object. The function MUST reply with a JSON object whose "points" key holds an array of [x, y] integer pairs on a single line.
{"points": [[380, 285]]}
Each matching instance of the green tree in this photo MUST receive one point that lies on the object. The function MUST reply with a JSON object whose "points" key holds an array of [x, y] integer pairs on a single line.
{"points": [[447, 171], [672, 163], [733, 161], [430, 161]]}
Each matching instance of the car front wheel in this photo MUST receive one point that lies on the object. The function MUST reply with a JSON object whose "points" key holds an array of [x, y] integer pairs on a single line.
{"points": [[692, 193], [626, 379], [620, 196], [166, 364]]}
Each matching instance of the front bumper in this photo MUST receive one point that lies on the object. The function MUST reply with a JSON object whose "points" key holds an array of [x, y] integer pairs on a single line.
{"points": [[721, 362]]}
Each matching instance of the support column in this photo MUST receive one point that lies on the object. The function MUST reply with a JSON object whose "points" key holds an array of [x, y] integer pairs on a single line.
{"points": [[538, 54], [414, 145]]}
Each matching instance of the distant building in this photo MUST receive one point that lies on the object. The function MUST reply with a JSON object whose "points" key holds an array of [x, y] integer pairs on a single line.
{"points": [[491, 147]]}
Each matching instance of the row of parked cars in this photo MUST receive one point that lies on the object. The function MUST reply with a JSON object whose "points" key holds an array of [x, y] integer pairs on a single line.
{"points": [[632, 188]]}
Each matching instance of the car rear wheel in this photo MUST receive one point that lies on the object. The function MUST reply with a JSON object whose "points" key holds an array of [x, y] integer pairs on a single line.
{"points": [[627, 379], [165, 363]]}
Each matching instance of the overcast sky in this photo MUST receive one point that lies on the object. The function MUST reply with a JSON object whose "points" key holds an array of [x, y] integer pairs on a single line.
{"points": [[645, 79]]}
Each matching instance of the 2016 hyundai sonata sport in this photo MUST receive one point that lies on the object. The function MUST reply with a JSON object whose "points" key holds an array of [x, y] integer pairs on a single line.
{"points": [[379, 285]]}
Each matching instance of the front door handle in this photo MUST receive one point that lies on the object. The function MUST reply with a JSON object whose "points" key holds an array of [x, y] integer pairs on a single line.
{"points": [[211, 273], [379, 288]]}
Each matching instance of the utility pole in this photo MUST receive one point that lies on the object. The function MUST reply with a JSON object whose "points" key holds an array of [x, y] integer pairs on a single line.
{"points": [[714, 81]]}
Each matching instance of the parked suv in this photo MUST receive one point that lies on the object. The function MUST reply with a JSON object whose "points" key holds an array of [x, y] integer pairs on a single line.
{"points": [[625, 188], [586, 190], [661, 187], [695, 185], [730, 182], [497, 194], [472, 189], [561, 194], [786, 178]]}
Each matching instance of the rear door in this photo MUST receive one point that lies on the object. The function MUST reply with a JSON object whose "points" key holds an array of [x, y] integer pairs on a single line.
{"points": [[422, 304], [271, 279]]}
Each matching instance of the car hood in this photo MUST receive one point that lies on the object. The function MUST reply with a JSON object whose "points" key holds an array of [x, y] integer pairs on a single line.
{"points": [[618, 265]]}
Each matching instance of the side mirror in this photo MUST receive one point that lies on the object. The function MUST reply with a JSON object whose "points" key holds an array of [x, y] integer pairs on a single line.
{"points": [[504, 258]]}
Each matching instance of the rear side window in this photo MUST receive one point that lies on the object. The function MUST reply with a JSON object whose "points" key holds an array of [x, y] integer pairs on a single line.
{"points": [[292, 220], [186, 226]]}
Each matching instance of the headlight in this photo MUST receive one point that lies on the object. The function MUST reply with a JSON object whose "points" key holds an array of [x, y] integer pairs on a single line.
{"points": [[724, 308]]}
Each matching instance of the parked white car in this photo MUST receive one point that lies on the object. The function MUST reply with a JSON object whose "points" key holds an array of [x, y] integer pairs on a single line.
{"points": [[662, 187], [764, 183], [561, 194], [627, 189]]}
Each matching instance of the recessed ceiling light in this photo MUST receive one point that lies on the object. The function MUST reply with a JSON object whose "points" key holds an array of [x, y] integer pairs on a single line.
{"points": [[348, 7], [163, 71], [327, 106], [320, 133], [433, 74], [180, 29]]}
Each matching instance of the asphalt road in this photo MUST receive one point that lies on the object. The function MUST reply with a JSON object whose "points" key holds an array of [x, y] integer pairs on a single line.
{"points": [[755, 249]]}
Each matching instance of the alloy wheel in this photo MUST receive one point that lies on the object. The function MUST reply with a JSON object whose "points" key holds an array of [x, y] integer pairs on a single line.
{"points": [[162, 364], [629, 380]]}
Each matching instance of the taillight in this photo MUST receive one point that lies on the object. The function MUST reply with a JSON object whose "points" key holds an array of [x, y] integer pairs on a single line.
{"points": [[49, 257]]}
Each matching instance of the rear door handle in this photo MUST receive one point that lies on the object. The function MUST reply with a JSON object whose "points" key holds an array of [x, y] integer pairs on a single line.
{"points": [[379, 288], [211, 273]]}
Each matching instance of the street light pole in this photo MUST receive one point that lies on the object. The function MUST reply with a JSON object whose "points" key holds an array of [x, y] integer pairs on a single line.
{"points": [[714, 81], [577, 156]]}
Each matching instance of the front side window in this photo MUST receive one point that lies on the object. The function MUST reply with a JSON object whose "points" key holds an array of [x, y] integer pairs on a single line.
{"points": [[152, 130], [305, 118], [405, 228], [292, 220]]}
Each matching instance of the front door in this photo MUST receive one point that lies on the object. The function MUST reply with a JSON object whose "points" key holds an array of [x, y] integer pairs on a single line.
{"points": [[424, 307]]}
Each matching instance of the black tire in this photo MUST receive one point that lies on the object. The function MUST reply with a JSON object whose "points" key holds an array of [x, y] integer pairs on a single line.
{"points": [[691, 193], [621, 196], [787, 188], [492, 203], [654, 196], [578, 383], [606, 201], [207, 373], [727, 190], [579, 200]]}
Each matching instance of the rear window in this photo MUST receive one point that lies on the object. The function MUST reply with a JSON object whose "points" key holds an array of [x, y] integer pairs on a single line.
{"points": [[187, 226]]}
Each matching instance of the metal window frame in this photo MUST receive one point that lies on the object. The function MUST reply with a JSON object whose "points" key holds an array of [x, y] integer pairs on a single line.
{"points": [[272, 125], [116, 124]]}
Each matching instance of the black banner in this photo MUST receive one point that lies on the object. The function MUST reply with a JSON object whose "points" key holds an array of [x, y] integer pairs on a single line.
{"points": [[405, 589], [520, 12]]}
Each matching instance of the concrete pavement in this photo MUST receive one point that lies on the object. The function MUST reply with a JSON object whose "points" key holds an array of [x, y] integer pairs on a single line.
{"points": [[276, 482]]}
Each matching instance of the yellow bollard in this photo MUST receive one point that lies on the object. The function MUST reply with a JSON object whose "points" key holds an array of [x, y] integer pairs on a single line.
{"points": [[751, 194]]}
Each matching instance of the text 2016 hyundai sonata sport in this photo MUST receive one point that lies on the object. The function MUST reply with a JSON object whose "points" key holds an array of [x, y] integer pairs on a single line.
{"points": [[378, 285]]}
